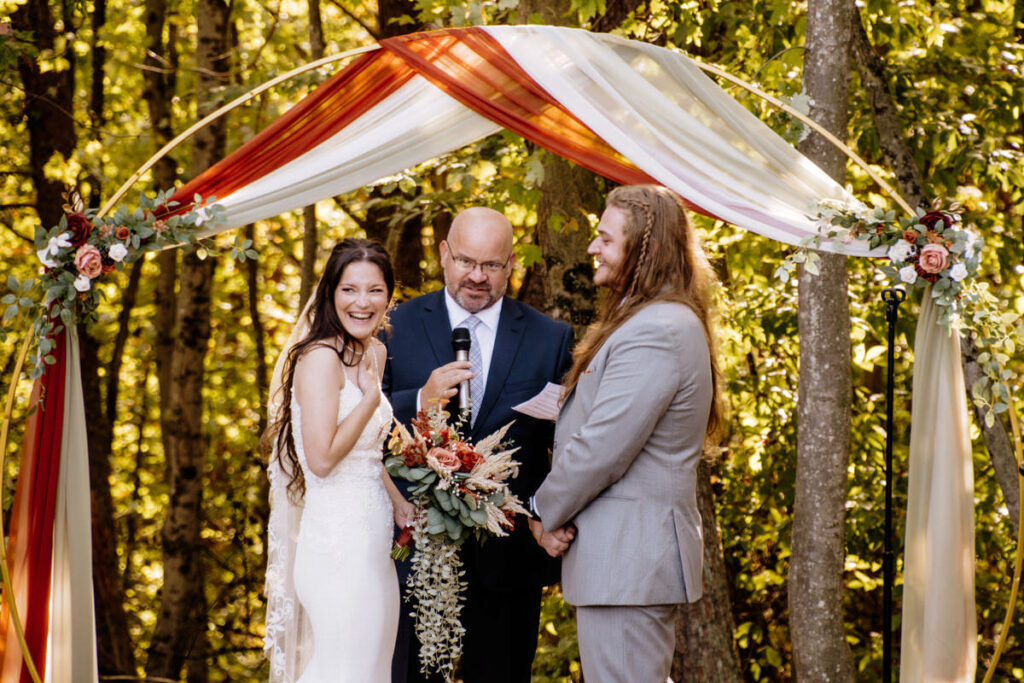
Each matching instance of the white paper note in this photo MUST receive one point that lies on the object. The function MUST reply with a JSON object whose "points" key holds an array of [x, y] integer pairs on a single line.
{"points": [[545, 405]]}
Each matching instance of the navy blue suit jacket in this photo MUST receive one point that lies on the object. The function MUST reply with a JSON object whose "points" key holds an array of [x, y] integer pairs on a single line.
{"points": [[530, 349]]}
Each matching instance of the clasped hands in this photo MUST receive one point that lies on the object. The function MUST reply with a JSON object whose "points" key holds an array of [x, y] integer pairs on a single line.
{"points": [[553, 542]]}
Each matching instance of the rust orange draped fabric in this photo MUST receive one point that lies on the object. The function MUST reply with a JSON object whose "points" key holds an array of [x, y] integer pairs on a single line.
{"points": [[328, 109], [30, 547], [475, 69]]}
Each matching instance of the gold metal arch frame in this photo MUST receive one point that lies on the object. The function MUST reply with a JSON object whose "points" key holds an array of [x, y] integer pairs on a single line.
{"points": [[714, 70]]}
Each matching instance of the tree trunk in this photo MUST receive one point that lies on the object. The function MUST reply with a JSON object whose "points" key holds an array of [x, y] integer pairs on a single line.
{"points": [[705, 648], [160, 78], [567, 291], [48, 104], [180, 634], [309, 228], [900, 159], [820, 650]]}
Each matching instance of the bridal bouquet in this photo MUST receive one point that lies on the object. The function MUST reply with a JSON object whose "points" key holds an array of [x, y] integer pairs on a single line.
{"points": [[460, 490]]}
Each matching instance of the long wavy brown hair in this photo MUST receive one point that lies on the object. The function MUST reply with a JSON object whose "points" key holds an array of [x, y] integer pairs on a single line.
{"points": [[663, 260], [324, 326]]}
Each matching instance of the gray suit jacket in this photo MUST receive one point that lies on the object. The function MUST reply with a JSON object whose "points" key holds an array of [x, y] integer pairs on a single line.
{"points": [[624, 467]]}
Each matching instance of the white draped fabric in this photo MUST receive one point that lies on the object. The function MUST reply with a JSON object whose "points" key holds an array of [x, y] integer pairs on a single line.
{"points": [[939, 623], [71, 650], [416, 123], [660, 111]]}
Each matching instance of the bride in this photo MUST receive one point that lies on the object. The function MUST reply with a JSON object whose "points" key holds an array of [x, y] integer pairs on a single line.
{"points": [[332, 592]]}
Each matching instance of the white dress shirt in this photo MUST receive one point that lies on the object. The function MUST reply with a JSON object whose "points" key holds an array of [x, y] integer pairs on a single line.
{"points": [[486, 331]]}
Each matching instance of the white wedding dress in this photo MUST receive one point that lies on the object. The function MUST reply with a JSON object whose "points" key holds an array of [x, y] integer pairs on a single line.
{"points": [[343, 574]]}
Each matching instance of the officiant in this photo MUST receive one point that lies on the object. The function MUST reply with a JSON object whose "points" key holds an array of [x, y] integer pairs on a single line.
{"points": [[514, 352]]}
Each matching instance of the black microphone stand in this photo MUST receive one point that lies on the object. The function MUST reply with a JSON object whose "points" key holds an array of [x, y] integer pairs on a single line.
{"points": [[893, 297]]}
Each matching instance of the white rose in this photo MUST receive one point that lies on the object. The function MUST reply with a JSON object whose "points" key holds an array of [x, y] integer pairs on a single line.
{"points": [[908, 274], [899, 252], [83, 283], [117, 252], [44, 256], [61, 241], [958, 272]]}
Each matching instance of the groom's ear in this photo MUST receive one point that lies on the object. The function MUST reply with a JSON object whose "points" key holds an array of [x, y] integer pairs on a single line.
{"points": [[443, 248]]}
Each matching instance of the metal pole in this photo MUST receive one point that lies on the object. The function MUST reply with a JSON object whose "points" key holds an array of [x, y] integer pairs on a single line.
{"points": [[893, 297]]}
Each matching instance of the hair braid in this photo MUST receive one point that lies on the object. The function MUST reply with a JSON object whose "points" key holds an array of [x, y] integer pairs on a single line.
{"points": [[644, 240]]}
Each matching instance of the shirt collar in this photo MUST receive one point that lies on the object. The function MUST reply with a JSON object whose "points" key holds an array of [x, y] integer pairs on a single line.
{"points": [[457, 314]]}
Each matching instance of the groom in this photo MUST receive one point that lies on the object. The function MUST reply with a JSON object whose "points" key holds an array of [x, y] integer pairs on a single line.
{"points": [[520, 350], [620, 500]]}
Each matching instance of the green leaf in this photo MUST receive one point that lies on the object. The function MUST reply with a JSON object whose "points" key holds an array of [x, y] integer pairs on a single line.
{"points": [[11, 311], [479, 516]]}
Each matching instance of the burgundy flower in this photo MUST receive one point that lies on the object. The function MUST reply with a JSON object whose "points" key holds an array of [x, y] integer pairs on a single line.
{"points": [[932, 218], [79, 226]]}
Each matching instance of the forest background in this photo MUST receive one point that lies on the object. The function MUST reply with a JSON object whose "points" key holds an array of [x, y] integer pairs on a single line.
{"points": [[176, 368]]}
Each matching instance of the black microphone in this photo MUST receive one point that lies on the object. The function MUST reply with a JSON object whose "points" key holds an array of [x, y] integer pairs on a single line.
{"points": [[460, 345]]}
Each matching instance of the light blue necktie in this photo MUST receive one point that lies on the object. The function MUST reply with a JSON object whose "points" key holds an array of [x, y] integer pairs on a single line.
{"points": [[476, 361]]}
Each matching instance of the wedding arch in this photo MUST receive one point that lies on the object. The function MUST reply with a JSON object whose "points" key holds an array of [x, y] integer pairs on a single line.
{"points": [[630, 111]]}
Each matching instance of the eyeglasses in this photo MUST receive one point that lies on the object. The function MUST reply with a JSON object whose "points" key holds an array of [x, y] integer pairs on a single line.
{"points": [[488, 267]]}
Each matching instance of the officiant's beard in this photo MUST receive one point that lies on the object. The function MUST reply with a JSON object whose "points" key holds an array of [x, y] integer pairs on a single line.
{"points": [[460, 290]]}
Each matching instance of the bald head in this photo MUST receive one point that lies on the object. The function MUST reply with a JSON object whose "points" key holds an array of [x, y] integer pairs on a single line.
{"points": [[477, 257], [478, 225]]}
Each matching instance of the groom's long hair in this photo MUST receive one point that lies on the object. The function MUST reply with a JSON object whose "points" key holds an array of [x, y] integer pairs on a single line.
{"points": [[324, 326], [663, 261]]}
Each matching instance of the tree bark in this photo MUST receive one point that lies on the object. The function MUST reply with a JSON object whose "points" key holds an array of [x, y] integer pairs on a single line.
{"points": [[567, 291], [48, 104], [180, 634], [307, 277], [900, 159], [705, 648], [160, 79], [820, 650]]}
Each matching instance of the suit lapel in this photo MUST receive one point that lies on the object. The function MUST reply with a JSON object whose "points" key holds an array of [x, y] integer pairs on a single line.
{"points": [[438, 329], [506, 346]]}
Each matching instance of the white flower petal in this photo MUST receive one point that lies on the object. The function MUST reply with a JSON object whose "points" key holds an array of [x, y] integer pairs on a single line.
{"points": [[83, 283]]}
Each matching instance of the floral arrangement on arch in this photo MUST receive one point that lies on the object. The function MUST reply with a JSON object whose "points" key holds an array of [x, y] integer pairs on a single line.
{"points": [[77, 252], [932, 247], [460, 490], [936, 248]]}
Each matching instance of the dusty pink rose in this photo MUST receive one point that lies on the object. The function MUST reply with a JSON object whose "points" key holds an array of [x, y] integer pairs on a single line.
{"points": [[89, 261], [444, 458], [933, 258]]}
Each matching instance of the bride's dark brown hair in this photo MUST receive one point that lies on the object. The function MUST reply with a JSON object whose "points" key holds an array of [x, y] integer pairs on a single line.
{"points": [[324, 325], [663, 260]]}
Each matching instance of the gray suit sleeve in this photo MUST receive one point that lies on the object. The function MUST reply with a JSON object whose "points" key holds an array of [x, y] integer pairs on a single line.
{"points": [[640, 379]]}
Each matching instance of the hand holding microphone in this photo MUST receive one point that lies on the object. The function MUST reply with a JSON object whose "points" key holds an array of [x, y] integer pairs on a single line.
{"points": [[443, 384]]}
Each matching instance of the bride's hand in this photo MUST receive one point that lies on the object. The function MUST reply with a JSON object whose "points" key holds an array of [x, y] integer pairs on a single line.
{"points": [[405, 513], [366, 379]]}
